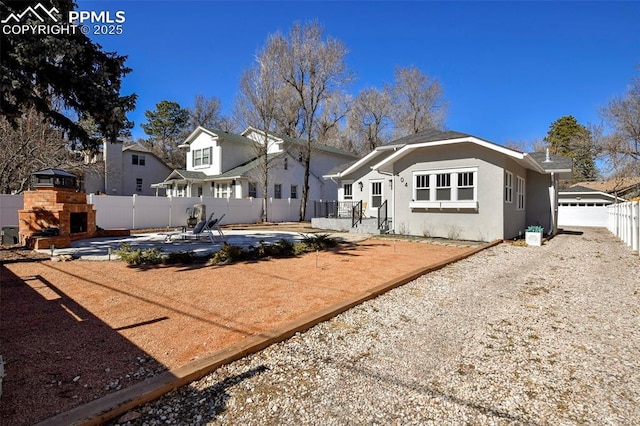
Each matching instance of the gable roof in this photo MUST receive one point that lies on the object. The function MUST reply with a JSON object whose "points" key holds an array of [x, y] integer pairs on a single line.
{"points": [[579, 190], [216, 134], [245, 168], [431, 138], [302, 142]]}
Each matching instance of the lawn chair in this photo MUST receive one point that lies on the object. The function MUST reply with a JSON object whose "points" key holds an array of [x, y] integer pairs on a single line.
{"points": [[214, 225], [202, 229]]}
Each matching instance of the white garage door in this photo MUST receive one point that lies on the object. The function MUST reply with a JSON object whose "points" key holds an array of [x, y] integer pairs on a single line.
{"points": [[582, 216]]}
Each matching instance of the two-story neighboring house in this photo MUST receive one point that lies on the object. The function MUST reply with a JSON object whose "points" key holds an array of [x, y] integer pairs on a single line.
{"points": [[226, 165], [125, 170]]}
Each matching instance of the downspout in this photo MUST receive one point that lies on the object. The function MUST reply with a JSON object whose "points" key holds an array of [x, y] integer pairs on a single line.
{"points": [[553, 197]]}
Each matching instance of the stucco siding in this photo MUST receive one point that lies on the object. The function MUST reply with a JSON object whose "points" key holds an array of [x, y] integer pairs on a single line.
{"points": [[514, 218], [484, 223], [538, 200]]}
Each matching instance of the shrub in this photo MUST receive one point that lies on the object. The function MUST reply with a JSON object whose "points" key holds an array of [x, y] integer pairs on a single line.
{"points": [[138, 256], [228, 254], [319, 241], [184, 257]]}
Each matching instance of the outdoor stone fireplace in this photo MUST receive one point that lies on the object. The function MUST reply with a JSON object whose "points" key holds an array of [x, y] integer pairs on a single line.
{"points": [[54, 213]]}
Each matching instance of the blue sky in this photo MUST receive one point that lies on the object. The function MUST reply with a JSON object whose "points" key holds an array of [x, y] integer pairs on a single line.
{"points": [[508, 69]]}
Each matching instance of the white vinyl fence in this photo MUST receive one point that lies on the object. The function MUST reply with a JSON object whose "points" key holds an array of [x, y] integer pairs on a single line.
{"points": [[624, 222], [139, 212]]}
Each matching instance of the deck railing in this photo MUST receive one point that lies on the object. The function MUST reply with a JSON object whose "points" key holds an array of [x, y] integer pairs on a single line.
{"points": [[356, 214], [383, 218]]}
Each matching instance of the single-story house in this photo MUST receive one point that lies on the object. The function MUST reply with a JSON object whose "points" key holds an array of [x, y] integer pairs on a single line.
{"points": [[454, 185], [227, 165]]}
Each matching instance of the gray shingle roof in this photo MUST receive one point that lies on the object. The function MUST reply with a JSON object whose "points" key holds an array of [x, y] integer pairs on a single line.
{"points": [[430, 135], [187, 174], [557, 162], [319, 146], [242, 169]]}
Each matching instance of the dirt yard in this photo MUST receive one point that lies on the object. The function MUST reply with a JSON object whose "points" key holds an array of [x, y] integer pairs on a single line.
{"points": [[74, 331]]}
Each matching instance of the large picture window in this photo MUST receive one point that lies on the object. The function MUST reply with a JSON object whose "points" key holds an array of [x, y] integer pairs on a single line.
{"points": [[449, 188]]}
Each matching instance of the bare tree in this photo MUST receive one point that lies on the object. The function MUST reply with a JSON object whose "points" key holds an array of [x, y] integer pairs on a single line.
{"points": [[328, 129], [622, 115], [33, 144], [315, 69], [206, 113], [418, 102], [370, 118], [257, 105]]}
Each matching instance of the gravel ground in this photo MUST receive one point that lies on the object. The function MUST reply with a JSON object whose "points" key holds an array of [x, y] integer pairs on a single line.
{"points": [[512, 335]]}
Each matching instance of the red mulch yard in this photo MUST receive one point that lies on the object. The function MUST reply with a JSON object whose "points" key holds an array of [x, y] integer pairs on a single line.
{"points": [[74, 331]]}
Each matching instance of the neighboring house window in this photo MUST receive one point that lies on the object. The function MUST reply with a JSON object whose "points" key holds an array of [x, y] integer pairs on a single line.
{"points": [[199, 191], [223, 190], [286, 164], [348, 191], [138, 185], [508, 187], [422, 187], [138, 160], [294, 191], [277, 191], [520, 192], [202, 157], [435, 186], [376, 194], [253, 191]]}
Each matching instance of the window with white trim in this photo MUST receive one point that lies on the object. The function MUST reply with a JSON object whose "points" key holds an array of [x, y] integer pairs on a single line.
{"points": [[253, 190], [465, 186], [422, 188], [277, 191], [138, 185], [449, 188], [376, 194], [201, 157], [347, 191], [443, 186], [520, 187], [294, 191], [508, 187]]}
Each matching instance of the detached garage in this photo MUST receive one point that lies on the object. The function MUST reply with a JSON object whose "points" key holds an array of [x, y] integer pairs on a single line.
{"points": [[581, 206]]}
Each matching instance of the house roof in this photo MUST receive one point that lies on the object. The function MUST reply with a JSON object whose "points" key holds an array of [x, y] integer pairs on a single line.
{"points": [[621, 185], [430, 135], [243, 169], [431, 138], [578, 191], [214, 133], [553, 163], [301, 142]]}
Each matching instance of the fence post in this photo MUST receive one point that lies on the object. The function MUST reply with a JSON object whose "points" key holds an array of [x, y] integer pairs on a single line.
{"points": [[635, 226]]}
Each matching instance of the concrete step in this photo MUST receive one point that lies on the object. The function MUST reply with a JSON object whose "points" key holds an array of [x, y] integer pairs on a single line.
{"points": [[368, 226]]}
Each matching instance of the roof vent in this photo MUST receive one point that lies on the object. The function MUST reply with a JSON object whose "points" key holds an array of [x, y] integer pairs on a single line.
{"points": [[547, 157]]}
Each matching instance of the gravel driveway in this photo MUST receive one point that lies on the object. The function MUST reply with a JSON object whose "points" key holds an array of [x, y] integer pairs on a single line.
{"points": [[513, 335]]}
